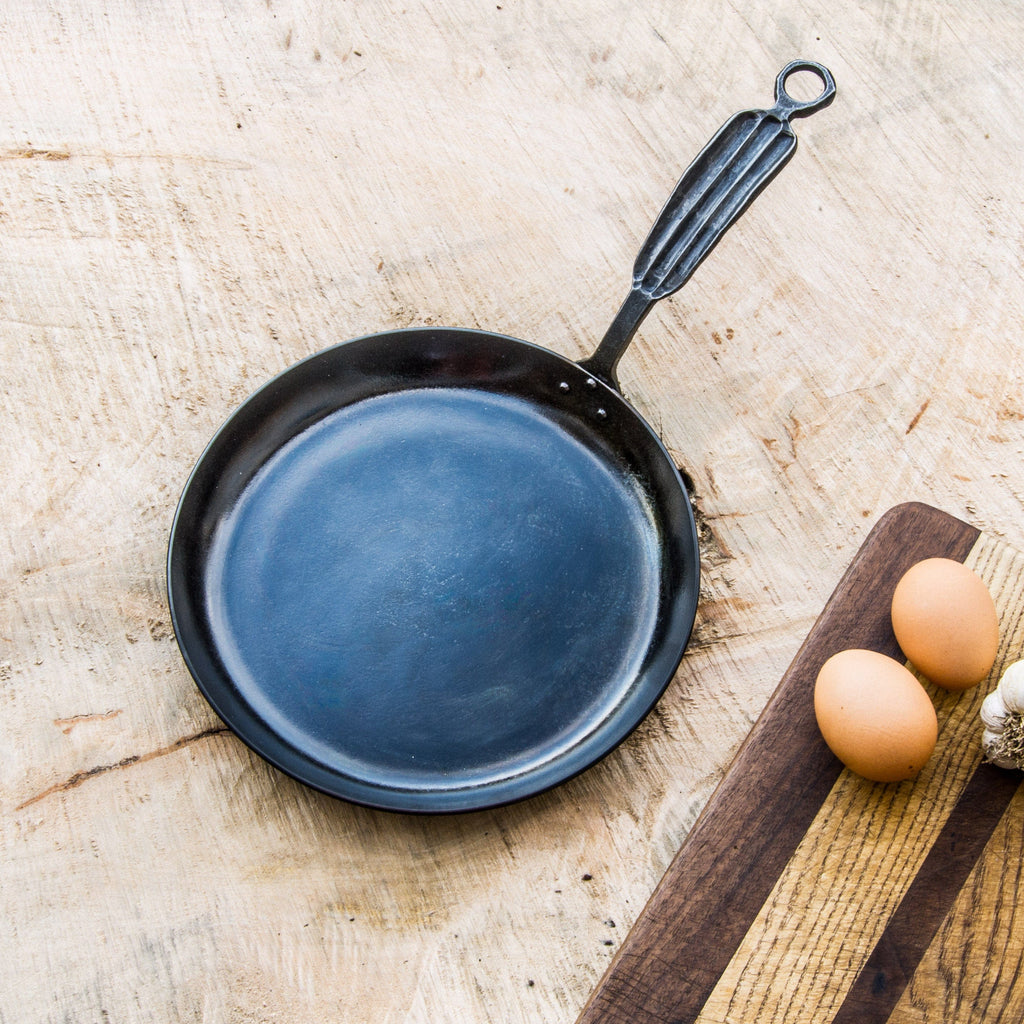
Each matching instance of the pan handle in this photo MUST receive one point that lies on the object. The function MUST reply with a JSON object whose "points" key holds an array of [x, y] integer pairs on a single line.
{"points": [[725, 178]]}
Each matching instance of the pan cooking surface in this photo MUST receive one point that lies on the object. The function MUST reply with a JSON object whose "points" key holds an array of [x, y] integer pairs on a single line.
{"points": [[410, 590]]}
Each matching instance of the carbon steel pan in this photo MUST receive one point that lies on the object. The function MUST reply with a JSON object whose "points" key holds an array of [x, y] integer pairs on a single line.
{"points": [[438, 570]]}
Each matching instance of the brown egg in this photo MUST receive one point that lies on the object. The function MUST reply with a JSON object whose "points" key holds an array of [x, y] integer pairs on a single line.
{"points": [[946, 623], [874, 715]]}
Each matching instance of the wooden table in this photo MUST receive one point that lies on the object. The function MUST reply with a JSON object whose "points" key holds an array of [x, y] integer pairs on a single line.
{"points": [[193, 195]]}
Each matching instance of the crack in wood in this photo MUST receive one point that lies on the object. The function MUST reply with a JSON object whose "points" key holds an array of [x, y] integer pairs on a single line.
{"points": [[78, 778], [917, 416], [67, 724], [32, 153]]}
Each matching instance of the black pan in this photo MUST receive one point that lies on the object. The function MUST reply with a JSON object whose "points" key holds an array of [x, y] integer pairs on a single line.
{"points": [[440, 570]]}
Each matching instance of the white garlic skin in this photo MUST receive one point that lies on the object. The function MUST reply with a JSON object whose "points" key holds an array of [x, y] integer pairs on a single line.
{"points": [[1011, 688], [993, 713]]}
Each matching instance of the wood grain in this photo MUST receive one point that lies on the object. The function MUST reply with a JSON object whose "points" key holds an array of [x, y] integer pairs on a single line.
{"points": [[909, 931], [194, 194], [972, 969]]}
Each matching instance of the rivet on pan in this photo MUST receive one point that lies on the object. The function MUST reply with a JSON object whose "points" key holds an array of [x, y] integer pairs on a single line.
{"points": [[564, 386], [591, 383], [602, 413]]}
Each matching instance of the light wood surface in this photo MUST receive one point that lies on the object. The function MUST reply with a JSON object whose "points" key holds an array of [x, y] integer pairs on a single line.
{"points": [[195, 194]]}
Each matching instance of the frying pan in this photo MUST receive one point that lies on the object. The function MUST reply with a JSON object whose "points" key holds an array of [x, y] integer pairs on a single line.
{"points": [[438, 570]]}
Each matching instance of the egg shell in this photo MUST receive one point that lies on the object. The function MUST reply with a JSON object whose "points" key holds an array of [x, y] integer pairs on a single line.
{"points": [[874, 715], [946, 622]]}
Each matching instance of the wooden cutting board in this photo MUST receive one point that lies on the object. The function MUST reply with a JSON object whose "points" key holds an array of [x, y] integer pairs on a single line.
{"points": [[805, 893]]}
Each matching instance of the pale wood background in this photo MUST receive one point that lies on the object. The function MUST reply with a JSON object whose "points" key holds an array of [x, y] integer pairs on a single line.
{"points": [[196, 193]]}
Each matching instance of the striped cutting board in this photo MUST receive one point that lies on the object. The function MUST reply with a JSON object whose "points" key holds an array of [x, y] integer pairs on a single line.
{"points": [[806, 894]]}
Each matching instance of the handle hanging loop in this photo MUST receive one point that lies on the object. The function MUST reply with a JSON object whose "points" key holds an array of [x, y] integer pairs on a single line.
{"points": [[787, 106]]}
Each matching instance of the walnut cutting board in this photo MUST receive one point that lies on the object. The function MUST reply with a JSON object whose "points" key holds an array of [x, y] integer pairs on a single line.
{"points": [[805, 893]]}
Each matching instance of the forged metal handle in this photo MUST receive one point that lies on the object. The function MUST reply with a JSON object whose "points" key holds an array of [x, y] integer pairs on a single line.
{"points": [[732, 169]]}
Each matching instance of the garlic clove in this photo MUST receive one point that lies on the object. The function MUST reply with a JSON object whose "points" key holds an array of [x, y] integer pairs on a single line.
{"points": [[1011, 688], [993, 712]]}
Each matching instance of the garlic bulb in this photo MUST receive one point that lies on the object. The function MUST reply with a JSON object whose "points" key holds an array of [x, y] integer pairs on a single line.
{"points": [[1002, 715], [1011, 688]]}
